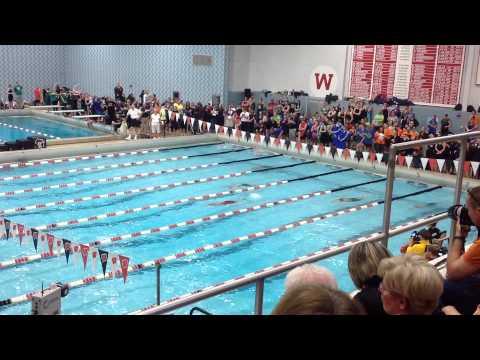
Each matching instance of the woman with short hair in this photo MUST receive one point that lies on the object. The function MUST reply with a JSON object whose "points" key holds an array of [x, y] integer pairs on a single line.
{"points": [[363, 262], [410, 285]]}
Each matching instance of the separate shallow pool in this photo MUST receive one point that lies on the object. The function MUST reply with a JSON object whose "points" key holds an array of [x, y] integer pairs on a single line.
{"points": [[109, 184], [20, 127]]}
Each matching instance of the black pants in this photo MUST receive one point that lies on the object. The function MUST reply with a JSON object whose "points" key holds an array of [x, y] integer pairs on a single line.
{"points": [[463, 294]]}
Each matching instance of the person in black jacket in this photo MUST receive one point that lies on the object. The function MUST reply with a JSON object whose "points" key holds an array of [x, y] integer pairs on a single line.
{"points": [[363, 262]]}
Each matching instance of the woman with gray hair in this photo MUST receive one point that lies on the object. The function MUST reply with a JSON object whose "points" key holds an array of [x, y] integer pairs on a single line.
{"points": [[363, 262]]}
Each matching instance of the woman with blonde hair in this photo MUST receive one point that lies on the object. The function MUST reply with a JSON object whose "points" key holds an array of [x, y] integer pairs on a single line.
{"points": [[410, 285], [363, 262]]}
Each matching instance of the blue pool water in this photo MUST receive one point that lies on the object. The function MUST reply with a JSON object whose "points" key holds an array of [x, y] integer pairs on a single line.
{"points": [[195, 272], [41, 125]]}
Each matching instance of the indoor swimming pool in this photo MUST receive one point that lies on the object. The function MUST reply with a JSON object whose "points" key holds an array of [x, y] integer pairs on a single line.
{"points": [[165, 204]]}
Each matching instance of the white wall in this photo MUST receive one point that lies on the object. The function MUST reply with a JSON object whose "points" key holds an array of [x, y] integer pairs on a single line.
{"points": [[284, 67], [470, 94]]}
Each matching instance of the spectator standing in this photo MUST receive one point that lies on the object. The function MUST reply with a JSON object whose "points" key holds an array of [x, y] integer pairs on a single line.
{"points": [[19, 95], [118, 91], [10, 96], [445, 125]]}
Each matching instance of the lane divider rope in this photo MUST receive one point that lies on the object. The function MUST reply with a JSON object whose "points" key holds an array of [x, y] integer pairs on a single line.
{"points": [[142, 190], [96, 156], [123, 178], [28, 130], [109, 166], [153, 263]]}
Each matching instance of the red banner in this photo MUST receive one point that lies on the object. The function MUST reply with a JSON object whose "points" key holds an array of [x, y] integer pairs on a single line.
{"points": [[298, 146], [401, 160], [466, 168], [124, 266], [84, 249]]}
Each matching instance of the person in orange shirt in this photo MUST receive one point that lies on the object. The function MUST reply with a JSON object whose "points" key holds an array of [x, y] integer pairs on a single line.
{"points": [[475, 119], [413, 134], [379, 140]]}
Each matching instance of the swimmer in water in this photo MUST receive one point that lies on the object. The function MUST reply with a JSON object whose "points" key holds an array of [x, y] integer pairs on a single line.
{"points": [[226, 202]]}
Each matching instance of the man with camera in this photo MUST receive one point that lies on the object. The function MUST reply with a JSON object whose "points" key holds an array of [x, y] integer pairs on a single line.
{"points": [[462, 287]]}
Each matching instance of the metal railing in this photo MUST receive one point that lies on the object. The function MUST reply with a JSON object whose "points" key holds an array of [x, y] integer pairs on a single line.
{"points": [[259, 278], [462, 138]]}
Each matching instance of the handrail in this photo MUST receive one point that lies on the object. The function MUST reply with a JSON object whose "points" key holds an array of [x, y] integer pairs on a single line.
{"points": [[199, 309], [394, 148], [262, 275]]}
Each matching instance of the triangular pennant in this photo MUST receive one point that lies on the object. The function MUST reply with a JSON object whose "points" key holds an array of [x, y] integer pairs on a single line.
{"points": [[221, 131], [200, 123], [365, 155], [94, 260], [209, 125], [50, 239], [424, 163], [238, 133], [242, 135], [267, 140], [455, 162], [346, 154], [327, 151], [103, 259], [7, 223], [21, 232], [189, 121], [401, 160], [248, 136], [466, 168], [474, 167], [59, 247], [257, 138], [287, 143], [67, 246], [409, 160], [84, 249], [432, 163], [35, 237], [14, 230], [309, 148], [304, 147], [440, 163], [282, 143], [372, 156], [195, 126], [216, 128], [75, 250], [298, 146], [114, 265], [124, 266], [321, 149], [262, 139], [277, 142], [352, 154], [379, 157]]}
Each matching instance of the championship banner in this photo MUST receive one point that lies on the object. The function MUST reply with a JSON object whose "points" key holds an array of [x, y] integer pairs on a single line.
{"points": [[67, 246], [84, 249], [34, 237], [124, 266], [50, 239], [103, 260]]}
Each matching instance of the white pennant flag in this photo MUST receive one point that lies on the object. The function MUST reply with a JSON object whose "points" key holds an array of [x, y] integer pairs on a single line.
{"points": [[315, 149], [200, 122], [209, 125], [424, 163], [304, 148], [440, 163], [169, 114], [379, 157], [243, 135], [455, 162], [409, 160], [216, 128], [474, 167], [94, 260], [262, 139], [292, 146], [365, 155], [352, 154], [282, 143], [113, 265], [327, 151]]}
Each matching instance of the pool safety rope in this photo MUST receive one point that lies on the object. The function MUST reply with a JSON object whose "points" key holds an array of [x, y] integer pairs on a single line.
{"points": [[112, 166], [150, 189], [340, 246], [67, 223], [153, 263], [128, 177], [98, 156], [28, 130], [222, 215]]}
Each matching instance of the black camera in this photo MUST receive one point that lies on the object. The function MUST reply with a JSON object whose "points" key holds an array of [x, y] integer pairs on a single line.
{"points": [[460, 212]]}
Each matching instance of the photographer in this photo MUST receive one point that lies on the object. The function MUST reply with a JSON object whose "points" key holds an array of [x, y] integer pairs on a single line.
{"points": [[462, 287]]}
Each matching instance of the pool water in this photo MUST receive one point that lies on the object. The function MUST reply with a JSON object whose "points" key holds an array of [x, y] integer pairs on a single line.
{"points": [[48, 128], [194, 272]]}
